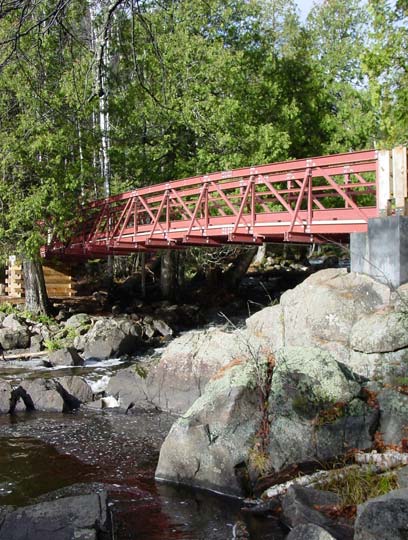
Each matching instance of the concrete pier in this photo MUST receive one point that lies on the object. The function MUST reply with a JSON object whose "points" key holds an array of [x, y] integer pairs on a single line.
{"points": [[382, 252]]}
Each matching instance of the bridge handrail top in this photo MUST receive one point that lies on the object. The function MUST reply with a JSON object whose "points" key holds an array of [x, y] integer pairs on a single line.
{"points": [[346, 158]]}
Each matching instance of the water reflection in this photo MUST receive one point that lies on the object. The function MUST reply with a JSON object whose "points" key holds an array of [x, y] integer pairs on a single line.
{"points": [[41, 452]]}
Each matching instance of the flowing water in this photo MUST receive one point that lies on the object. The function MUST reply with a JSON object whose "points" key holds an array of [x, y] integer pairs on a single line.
{"points": [[106, 449]]}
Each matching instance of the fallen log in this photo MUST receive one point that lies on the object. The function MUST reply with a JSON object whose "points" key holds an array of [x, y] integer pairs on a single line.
{"points": [[24, 355]]}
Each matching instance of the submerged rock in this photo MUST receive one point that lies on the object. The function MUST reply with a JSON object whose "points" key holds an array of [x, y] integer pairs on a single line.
{"points": [[302, 505], [5, 394], [82, 517]]}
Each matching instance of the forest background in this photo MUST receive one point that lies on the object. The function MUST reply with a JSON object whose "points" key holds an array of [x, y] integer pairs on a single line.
{"points": [[101, 96]]}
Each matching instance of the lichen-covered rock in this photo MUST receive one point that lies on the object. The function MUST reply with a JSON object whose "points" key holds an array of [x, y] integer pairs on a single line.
{"points": [[77, 321], [385, 517], [267, 325], [393, 416], [382, 367], [209, 445], [190, 361], [380, 332], [323, 309], [315, 411]]}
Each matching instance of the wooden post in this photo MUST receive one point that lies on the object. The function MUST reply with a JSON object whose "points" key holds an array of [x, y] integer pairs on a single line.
{"points": [[384, 179], [14, 279], [400, 180]]}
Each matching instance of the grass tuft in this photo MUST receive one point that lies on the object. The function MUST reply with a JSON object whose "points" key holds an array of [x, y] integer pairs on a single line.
{"points": [[357, 485]]}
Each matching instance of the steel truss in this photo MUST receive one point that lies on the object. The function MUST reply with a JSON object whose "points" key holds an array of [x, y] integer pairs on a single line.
{"points": [[306, 200]]}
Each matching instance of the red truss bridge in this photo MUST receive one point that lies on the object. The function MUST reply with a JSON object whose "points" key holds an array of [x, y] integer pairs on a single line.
{"points": [[305, 200]]}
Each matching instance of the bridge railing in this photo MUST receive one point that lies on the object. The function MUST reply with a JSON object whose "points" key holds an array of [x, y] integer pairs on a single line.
{"points": [[300, 200]]}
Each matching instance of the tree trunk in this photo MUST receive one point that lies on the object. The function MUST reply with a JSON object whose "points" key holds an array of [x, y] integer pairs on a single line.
{"points": [[260, 255], [181, 270], [168, 274], [143, 274], [36, 298], [234, 275]]}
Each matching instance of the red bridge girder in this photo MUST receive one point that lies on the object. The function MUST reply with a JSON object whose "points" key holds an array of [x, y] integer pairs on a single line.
{"points": [[306, 200]]}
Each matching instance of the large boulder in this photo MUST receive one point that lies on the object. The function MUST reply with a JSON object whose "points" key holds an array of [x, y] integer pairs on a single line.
{"points": [[77, 386], [78, 321], [129, 386], [112, 338], [210, 444], [38, 394], [315, 409], [13, 323], [64, 394], [83, 517], [385, 517], [65, 357], [189, 362], [14, 339], [322, 311]]}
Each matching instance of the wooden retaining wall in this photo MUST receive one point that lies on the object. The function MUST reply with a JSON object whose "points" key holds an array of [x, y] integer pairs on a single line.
{"points": [[58, 280]]}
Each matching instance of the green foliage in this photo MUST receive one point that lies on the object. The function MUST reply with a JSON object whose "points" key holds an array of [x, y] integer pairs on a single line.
{"points": [[7, 308], [53, 344], [190, 87], [141, 371]]}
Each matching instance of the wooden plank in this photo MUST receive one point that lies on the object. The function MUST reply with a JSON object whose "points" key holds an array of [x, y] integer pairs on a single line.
{"points": [[384, 178], [400, 179]]}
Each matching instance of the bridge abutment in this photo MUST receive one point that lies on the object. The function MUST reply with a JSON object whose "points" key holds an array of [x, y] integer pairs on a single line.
{"points": [[382, 252]]}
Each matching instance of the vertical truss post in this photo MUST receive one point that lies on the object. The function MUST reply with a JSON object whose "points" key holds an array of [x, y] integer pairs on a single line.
{"points": [[253, 206], [399, 173], [309, 199], [135, 217], [206, 209], [346, 183], [167, 195]]}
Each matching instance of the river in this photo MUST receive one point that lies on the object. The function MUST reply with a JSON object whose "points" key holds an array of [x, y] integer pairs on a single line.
{"points": [[72, 453]]}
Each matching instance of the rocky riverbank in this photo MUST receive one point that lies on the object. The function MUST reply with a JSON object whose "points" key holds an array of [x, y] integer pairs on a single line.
{"points": [[312, 381]]}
